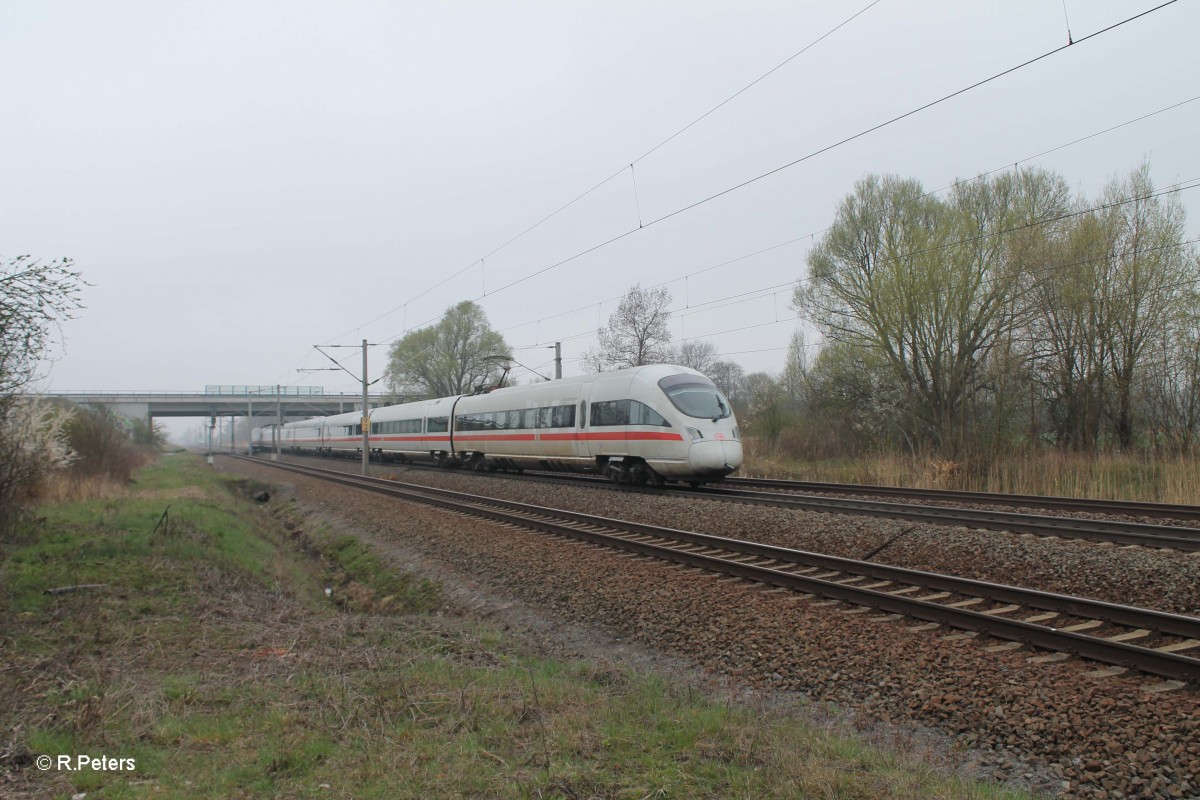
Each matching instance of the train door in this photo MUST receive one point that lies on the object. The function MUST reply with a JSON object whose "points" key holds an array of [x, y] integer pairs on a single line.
{"points": [[583, 448]]}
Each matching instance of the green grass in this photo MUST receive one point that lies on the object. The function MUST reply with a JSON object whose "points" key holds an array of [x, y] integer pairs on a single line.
{"points": [[214, 659]]}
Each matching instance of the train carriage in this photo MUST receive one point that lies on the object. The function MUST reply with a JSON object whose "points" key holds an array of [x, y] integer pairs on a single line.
{"points": [[646, 424]]}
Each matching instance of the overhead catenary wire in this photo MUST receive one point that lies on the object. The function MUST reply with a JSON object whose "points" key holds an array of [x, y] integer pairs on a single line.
{"points": [[821, 151], [905, 115], [1044, 271], [812, 235], [584, 194], [830, 147], [770, 290], [754, 294]]}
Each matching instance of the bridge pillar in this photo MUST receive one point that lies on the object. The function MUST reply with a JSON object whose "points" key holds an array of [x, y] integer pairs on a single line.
{"points": [[132, 410]]}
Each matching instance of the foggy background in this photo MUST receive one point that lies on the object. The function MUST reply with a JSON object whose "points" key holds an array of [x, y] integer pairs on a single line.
{"points": [[241, 181]]}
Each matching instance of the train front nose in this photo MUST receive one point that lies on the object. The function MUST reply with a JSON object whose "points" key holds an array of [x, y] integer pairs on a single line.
{"points": [[715, 456]]}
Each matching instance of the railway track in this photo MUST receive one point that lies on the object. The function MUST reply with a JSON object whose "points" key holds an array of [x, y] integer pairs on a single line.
{"points": [[1081, 505], [1121, 533], [1152, 642]]}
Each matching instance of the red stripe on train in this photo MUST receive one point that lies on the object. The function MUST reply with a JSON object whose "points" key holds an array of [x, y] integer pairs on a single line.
{"points": [[617, 436]]}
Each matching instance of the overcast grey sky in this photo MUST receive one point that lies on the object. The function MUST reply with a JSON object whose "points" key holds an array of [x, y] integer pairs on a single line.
{"points": [[243, 180]]}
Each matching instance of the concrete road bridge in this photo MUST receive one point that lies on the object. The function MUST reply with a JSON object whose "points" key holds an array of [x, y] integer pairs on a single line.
{"points": [[288, 402]]}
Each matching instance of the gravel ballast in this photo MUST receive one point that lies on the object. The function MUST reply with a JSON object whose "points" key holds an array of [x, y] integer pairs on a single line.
{"points": [[1050, 725]]}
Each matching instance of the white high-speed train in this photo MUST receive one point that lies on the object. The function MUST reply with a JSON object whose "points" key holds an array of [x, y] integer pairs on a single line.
{"points": [[649, 424]]}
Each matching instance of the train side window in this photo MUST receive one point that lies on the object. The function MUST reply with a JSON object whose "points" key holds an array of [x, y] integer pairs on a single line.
{"points": [[529, 418], [437, 424], [613, 412], [514, 420], [563, 417], [622, 412], [642, 414], [544, 417]]}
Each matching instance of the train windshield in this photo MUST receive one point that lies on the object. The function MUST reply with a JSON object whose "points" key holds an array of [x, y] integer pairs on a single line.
{"points": [[695, 396]]}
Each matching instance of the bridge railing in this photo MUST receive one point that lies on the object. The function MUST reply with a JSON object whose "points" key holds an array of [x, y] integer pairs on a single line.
{"points": [[283, 391], [132, 393]]}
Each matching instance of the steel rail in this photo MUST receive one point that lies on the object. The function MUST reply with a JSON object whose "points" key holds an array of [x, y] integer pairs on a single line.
{"points": [[584, 526], [1122, 533], [1115, 532], [1130, 507]]}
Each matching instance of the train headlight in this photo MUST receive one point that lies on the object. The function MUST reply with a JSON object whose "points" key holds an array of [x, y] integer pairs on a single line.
{"points": [[695, 434]]}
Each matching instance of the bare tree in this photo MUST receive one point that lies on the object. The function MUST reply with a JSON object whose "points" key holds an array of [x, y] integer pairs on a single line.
{"points": [[1148, 274], [1173, 385], [796, 378], [636, 333], [765, 407], [730, 378], [35, 296], [1073, 303], [698, 355]]}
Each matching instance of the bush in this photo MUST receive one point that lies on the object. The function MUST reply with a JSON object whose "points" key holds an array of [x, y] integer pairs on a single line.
{"points": [[103, 445], [32, 446]]}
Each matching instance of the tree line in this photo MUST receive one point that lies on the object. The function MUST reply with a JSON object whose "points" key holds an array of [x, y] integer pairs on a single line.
{"points": [[1007, 313]]}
